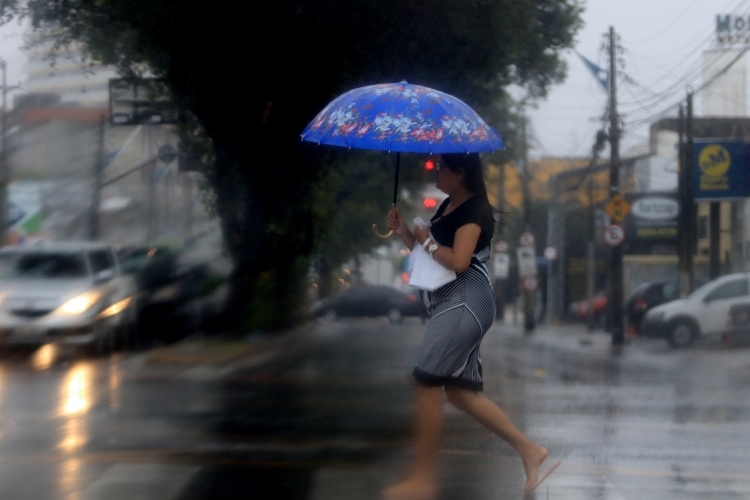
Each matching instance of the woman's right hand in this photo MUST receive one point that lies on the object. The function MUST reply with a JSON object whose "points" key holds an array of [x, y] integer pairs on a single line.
{"points": [[397, 222]]}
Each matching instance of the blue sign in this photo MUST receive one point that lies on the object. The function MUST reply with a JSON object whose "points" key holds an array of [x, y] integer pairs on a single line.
{"points": [[720, 170]]}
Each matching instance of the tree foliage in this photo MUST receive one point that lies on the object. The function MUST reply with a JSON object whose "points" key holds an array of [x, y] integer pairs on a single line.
{"points": [[253, 75]]}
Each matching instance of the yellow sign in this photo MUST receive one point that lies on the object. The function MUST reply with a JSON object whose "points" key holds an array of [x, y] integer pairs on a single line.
{"points": [[617, 208], [714, 161]]}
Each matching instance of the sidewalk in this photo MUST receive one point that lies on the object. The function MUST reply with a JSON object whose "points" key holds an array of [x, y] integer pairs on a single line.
{"points": [[214, 357]]}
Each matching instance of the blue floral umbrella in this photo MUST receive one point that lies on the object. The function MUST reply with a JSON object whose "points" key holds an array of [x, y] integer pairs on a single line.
{"points": [[401, 117]]}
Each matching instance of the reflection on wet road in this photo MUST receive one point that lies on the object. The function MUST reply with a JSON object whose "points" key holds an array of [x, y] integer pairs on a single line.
{"points": [[330, 419]]}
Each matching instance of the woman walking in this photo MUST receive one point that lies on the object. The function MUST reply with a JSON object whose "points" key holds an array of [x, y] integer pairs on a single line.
{"points": [[461, 312]]}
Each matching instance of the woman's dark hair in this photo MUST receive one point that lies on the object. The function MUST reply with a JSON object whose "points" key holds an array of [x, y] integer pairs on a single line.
{"points": [[472, 170], [471, 165]]}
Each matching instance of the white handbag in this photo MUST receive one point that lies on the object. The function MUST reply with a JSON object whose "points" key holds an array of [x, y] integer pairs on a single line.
{"points": [[425, 272]]}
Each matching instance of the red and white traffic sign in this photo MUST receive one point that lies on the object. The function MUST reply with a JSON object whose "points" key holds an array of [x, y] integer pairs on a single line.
{"points": [[526, 240], [530, 283], [550, 253], [614, 235], [501, 246]]}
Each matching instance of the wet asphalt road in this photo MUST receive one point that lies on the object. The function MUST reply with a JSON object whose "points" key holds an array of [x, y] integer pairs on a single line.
{"points": [[329, 417]]}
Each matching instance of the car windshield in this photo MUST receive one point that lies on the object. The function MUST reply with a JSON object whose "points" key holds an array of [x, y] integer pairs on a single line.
{"points": [[701, 289], [42, 265]]}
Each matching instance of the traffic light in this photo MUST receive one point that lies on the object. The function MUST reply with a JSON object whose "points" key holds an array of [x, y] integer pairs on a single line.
{"points": [[429, 202]]}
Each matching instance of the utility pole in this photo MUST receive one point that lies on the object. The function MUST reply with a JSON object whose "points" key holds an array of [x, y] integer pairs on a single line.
{"points": [[96, 185], [615, 254], [687, 205], [692, 208], [528, 297], [714, 214]]}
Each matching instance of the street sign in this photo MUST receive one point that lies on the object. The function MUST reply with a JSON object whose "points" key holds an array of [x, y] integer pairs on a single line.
{"points": [[550, 253], [526, 261], [617, 208], [500, 265], [167, 153], [526, 240], [530, 283], [501, 246], [614, 235], [140, 101]]}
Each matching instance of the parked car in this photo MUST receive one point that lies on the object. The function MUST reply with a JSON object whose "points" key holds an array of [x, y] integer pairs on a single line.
{"points": [[72, 293], [738, 324], [370, 300], [647, 296], [704, 312]]}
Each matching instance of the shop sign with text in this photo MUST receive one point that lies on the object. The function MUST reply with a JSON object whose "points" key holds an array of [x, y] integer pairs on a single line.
{"points": [[720, 170], [654, 216]]}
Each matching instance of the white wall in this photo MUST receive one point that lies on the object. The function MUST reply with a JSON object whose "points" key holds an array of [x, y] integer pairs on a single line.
{"points": [[725, 96]]}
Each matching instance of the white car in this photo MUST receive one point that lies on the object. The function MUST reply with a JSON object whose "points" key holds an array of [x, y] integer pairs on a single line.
{"points": [[71, 293], [703, 312]]}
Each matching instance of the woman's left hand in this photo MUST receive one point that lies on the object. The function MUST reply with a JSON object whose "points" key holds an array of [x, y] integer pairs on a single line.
{"points": [[421, 234]]}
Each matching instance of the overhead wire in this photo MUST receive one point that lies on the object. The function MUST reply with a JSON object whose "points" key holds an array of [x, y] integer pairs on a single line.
{"points": [[645, 99], [695, 69], [651, 117]]}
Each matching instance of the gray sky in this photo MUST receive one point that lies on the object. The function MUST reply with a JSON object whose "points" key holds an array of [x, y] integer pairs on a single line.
{"points": [[662, 41], [10, 43]]}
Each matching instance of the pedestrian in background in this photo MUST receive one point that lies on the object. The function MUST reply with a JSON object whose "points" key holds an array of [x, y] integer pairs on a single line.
{"points": [[461, 313]]}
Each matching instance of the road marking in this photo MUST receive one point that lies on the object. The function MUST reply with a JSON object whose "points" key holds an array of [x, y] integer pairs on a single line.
{"points": [[146, 481]]}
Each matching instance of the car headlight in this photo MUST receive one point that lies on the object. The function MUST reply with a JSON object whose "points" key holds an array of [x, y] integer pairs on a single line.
{"points": [[80, 304]]}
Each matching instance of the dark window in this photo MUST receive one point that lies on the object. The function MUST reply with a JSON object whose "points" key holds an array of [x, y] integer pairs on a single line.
{"points": [[728, 290], [101, 260]]}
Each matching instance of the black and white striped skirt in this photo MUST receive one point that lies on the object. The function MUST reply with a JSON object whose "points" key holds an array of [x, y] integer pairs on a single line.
{"points": [[461, 313]]}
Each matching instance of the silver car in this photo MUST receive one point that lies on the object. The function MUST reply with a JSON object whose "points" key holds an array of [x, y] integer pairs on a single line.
{"points": [[71, 293]]}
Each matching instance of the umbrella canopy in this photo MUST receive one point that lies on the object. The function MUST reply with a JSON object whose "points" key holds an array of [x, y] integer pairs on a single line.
{"points": [[401, 117]]}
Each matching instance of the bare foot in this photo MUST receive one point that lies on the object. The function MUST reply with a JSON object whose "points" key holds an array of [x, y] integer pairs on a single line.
{"points": [[412, 489], [531, 464]]}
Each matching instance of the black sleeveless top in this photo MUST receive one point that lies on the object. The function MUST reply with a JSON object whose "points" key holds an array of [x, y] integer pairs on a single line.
{"points": [[473, 210]]}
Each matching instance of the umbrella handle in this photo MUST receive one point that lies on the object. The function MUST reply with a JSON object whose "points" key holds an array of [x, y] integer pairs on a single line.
{"points": [[384, 236]]}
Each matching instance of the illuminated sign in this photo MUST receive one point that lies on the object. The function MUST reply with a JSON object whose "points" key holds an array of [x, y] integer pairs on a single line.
{"points": [[720, 170]]}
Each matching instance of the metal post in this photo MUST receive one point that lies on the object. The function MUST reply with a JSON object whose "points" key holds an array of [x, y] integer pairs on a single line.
{"points": [[551, 241], [96, 184], [4, 170], [714, 228], [528, 297], [615, 267], [690, 194], [499, 282], [591, 251]]}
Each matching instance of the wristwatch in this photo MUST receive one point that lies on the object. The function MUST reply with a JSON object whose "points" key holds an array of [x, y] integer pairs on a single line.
{"points": [[432, 248]]}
